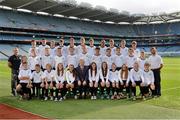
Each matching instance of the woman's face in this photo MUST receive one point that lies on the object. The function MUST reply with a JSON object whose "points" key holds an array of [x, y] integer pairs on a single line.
{"points": [[60, 66], [93, 66], [71, 68], [113, 67], [123, 67], [104, 65]]}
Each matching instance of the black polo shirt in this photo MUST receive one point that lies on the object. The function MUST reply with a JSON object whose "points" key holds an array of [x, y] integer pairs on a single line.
{"points": [[15, 61]]}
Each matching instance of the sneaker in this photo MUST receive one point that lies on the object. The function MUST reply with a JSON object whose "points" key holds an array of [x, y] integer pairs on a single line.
{"points": [[64, 97], [61, 99], [134, 98], [144, 98], [56, 99], [95, 97], [107, 97], [51, 98], [46, 98], [75, 97], [92, 97]]}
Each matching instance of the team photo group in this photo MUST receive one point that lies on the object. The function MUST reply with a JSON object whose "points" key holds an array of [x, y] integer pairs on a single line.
{"points": [[56, 71]]}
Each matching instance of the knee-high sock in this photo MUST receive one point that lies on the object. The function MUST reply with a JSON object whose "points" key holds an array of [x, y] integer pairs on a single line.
{"points": [[133, 91], [57, 91], [102, 90], [51, 92], [108, 90], [46, 92]]}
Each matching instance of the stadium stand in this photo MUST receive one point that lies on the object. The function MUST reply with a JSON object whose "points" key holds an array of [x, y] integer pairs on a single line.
{"points": [[22, 27]]}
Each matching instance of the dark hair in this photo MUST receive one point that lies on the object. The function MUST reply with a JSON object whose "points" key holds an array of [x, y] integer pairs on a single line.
{"points": [[126, 71], [58, 70], [91, 69], [104, 72]]}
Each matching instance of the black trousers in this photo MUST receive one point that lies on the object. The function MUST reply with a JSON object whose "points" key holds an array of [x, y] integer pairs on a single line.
{"points": [[157, 81], [14, 80]]}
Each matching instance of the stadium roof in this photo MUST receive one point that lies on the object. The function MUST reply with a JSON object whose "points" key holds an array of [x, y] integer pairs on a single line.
{"points": [[85, 11]]}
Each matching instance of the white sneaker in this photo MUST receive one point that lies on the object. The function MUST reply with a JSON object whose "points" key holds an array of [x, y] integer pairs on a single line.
{"points": [[51, 98], [64, 97], [75, 97], [95, 97], [60, 99], [134, 98], [46, 98], [92, 97], [55, 99]]}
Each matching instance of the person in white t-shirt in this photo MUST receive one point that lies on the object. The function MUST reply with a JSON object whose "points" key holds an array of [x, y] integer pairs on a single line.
{"points": [[124, 49], [72, 58], [33, 46], [156, 63], [103, 47], [81, 46], [24, 86], [130, 59], [108, 58], [91, 47], [119, 59], [60, 82], [41, 48], [136, 50], [93, 80], [142, 59], [97, 57], [59, 58], [37, 80], [72, 45], [53, 48], [112, 47], [48, 82], [71, 77], [148, 81], [63, 47], [85, 56], [137, 78]]}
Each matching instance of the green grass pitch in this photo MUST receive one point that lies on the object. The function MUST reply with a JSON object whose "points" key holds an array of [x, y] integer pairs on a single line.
{"points": [[167, 106]]}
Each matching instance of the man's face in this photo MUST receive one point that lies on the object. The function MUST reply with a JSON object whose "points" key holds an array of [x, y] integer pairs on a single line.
{"points": [[16, 51]]}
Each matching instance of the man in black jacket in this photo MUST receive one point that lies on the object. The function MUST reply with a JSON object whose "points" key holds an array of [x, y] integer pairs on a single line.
{"points": [[82, 74]]}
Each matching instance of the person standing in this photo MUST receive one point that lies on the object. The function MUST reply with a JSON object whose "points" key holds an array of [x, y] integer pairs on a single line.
{"points": [[156, 63], [14, 62]]}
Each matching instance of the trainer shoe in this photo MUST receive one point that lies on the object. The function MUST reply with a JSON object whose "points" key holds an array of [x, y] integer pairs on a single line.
{"points": [[60, 99], [95, 97], [92, 97], [75, 97], [56, 99], [144, 98], [134, 98], [51, 98], [46, 98]]}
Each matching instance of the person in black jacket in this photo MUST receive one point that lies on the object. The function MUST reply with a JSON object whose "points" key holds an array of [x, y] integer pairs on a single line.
{"points": [[82, 75], [14, 62]]}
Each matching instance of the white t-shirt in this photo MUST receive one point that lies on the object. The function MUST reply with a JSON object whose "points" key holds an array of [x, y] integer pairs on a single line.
{"points": [[91, 50], [93, 77], [49, 76], [60, 78], [130, 60], [119, 60], [33, 61], [103, 50], [113, 76], [72, 59], [136, 75], [148, 77], [155, 61], [69, 77], [37, 76], [60, 59], [124, 51], [41, 49], [25, 73], [47, 60], [97, 60], [109, 60], [104, 78], [86, 57]]}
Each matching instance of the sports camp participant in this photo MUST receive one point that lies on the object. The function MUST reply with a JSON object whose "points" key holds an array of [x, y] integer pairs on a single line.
{"points": [[71, 77], [24, 86], [63, 47], [36, 77], [72, 58], [14, 62], [135, 49], [47, 59], [108, 57], [118, 59], [72, 45], [82, 77], [24, 59], [59, 58], [48, 82], [137, 78], [156, 63], [41, 48], [130, 58], [103, 47], [93, 74], [33, 46], [53, 48], [148, 81], [112, 47], [113, 77], [33, 60], [124, 49], [104, 80], [81, 46], [85, 56], [60, 82], [124, 79], [97, 57], [91, 47], [142, 59]]}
